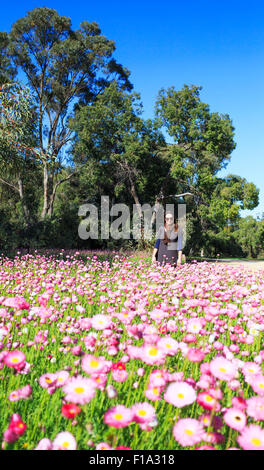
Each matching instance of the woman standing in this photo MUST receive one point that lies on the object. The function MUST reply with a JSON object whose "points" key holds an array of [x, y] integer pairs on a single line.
{"points": [[168, 245]]}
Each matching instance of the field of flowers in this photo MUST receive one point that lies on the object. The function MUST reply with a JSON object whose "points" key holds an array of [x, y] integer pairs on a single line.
{"points": [[126, 355]]}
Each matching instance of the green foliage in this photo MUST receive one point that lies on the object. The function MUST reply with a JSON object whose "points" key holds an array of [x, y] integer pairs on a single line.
{"points": [[205, 140], [7, 71], [120, 148], [18, 118], [64, 68], [250, 236]]}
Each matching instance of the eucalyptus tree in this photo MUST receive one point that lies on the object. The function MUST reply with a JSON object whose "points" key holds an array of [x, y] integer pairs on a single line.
{"points": [[64, 68], [19, 165], [203, 140]]}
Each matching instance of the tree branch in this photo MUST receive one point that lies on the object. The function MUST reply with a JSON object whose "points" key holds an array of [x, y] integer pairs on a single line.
{"points": [[9, 184]]}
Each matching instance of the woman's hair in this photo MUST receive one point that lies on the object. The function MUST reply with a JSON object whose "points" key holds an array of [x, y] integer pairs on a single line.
{"points": [[175, 228]]}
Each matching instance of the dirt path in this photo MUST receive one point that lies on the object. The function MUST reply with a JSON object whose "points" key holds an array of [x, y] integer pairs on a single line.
{"points": [[250, 265]]}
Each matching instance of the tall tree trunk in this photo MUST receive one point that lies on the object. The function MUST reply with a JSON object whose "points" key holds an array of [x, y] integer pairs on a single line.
{"points": [[45, 191], [139, 210], [19, 189], [24, 204], [159, 197]]}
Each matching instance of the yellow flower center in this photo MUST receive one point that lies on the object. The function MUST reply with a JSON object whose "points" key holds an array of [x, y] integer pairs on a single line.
{"points": [[180, 395], [256, 442], [65, 444], [261, 385], [48, 380], [142, 413], [79, 390], [118, 416], [188, 432], [94, 363], [222, 369], [168, 345], [14, 360], [155, 391], [153, 351], [208, 398]]}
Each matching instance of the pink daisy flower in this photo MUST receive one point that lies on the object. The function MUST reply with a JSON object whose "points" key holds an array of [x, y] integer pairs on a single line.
{"points": [[125, 317], [153, 393], [195, 355], [223, 369], [194, 326], [235, 419], [158, 378], [188, 432], [103, 446], [250, 369], [61, 378], [16, 302], [180, 394], [157, 315], [134, 352], [251, 438], [79, 390], [14, 396], [119, 375], [64, 441], [151, 354], [168, 345], [255, 408], [92, 364], [44, 444], [258, 384], [25, 391], [99, 380], [15, 359], [239, 402], [119, 416], [47, 380], [143, 412], [101, 322], [207, 401]]}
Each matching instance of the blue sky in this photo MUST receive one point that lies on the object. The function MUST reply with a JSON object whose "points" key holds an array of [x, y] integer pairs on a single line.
{"points": [[217, 45]]}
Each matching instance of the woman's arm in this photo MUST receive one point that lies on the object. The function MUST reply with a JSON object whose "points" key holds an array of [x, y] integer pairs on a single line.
{"points": [[179, 261], [155, 251]]}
